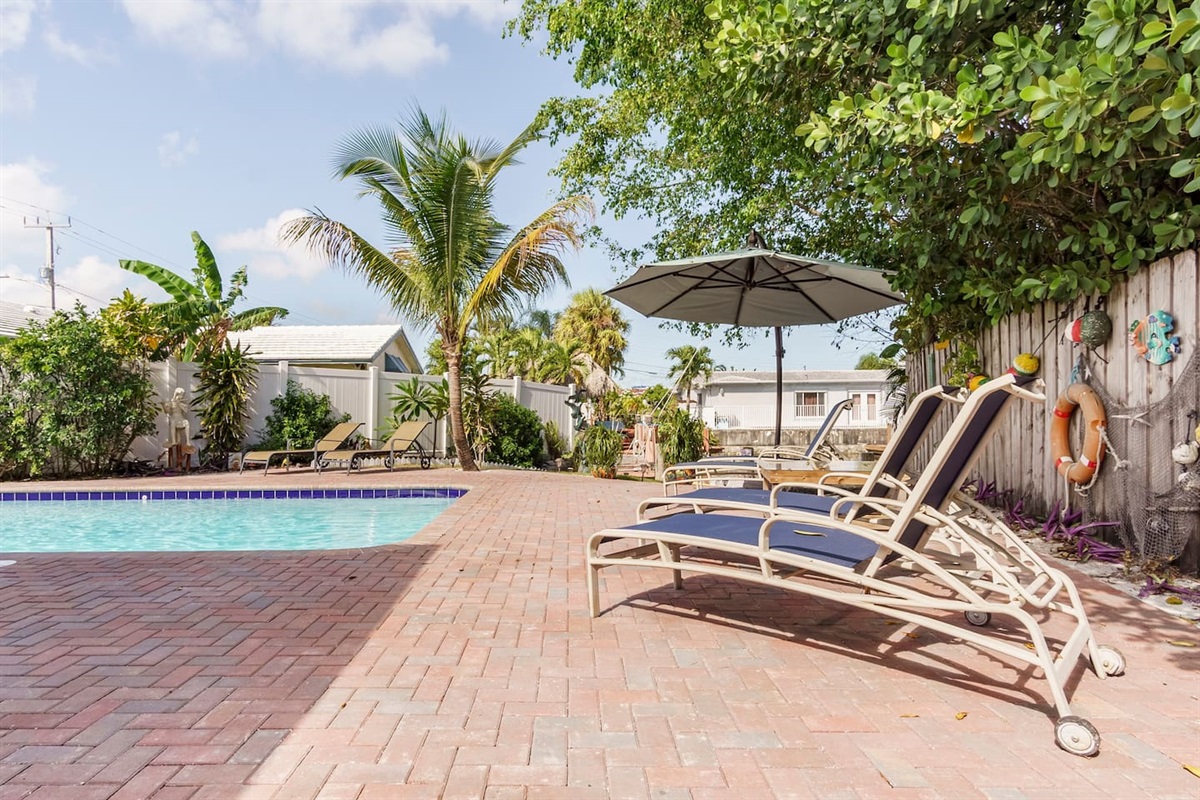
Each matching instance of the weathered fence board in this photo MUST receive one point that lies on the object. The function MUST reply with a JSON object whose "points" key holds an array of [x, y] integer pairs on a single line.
{"points": [[1019, 458]]}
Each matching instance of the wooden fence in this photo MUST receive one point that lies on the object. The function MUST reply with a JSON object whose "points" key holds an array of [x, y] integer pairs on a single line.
{"points": [[1019, 457]]}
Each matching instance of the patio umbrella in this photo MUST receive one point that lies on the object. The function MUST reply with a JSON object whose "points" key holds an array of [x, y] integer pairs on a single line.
{"points": [[756, 287]]}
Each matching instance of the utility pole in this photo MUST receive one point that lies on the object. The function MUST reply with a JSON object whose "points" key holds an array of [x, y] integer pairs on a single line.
{"points": [[47, 272]]}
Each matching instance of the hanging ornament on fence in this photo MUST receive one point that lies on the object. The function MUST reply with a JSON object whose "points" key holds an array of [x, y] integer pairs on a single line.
{"points": [[1151, 338], [1091, 330]]}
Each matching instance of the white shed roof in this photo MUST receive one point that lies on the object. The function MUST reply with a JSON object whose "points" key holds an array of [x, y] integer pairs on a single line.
{"points": [[14, 316], [324, 344]]}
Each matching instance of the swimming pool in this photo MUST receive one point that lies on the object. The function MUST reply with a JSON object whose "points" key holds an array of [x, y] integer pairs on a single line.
{"points": [[201, 520]]}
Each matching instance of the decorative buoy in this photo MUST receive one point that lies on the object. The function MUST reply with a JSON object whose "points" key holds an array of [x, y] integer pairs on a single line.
{"points": [[1083, 397]]}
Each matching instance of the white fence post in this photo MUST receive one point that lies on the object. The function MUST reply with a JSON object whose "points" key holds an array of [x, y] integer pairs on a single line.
{"points": [[373, 402], [516, 389], [281, 370]]}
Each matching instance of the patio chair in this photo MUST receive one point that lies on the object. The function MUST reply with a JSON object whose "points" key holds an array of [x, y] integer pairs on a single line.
{"points": [[336, 438], [402, 440], [707, 470], [819, 497], [889, 569]]}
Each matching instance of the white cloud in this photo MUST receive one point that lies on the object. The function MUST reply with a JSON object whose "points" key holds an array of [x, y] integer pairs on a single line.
{"points": [[16, 17], [173, 150], [202, 27], [347, 38], [27, 192], [85, 56], [268, 256], [91, 280], [18, 94], [353, 37]]}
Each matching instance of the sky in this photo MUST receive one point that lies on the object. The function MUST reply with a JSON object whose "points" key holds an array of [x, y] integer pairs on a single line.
{"points": [[144, 121]]}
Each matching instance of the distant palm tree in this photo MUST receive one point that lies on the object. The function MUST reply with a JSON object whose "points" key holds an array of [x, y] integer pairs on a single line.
{"points": [[448, 263], [562, 363], [594, 321], [689, 363], [200, 314]]}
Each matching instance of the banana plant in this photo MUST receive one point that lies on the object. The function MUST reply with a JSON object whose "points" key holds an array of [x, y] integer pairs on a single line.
{"points": [[200, 314]]}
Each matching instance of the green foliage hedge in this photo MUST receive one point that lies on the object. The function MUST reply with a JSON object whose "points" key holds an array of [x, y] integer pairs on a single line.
{"points": [[516, 433], [70, 402], [300, 417]]}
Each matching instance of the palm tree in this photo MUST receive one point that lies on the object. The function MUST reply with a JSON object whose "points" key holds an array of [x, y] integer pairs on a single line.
{"points": [[593, 320], [200, 314], [562, 363], [689, 363], [448, 262]]}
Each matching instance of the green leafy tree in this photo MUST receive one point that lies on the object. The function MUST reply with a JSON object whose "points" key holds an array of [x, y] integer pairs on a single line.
{"points": [[71, 400], [225, 382], [688, 364], [992, 154], [515, 433], [658, 399], [449, 262], [597, 324], [200, 313], [874, 361], [299, 418]]}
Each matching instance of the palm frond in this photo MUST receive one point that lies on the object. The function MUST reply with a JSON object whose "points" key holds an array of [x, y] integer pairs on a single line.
{"points": [[179, 289], [531, 262], [256, 317], [206, 268], [392, 275]]}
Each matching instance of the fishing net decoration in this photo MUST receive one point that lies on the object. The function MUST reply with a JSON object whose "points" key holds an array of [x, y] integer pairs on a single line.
{"points": [[1158, 501]]}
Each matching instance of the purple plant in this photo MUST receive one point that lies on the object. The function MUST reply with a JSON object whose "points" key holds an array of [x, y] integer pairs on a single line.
{"points": [[1156, 586]]}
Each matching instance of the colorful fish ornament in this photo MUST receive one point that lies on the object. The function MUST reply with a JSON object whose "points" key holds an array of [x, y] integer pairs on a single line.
{"points": [[1151, 338]]}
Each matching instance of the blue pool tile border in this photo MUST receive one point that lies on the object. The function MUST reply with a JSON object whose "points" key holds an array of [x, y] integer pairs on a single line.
{"points": [[229, 494]]}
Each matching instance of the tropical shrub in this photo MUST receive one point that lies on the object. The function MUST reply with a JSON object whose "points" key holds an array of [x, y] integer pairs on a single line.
{"points": [[599, 450], [555, 444], [226, 380], [299, 417], [516, 433], [680, 437], [70, 401]]}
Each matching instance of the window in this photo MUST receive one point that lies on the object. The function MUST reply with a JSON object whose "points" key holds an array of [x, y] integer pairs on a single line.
{"points": [[866, 406], [810, 404]]}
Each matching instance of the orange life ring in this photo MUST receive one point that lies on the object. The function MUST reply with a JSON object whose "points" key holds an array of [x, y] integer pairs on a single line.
{"points": [[1081, 396]]}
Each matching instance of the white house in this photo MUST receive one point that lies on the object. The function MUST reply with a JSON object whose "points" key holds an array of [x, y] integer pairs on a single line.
{"points": [[746, 400], [15, 316], [345, 346]]}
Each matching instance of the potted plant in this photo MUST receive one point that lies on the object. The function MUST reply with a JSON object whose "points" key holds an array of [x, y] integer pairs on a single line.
{"points": [[601, 451]]}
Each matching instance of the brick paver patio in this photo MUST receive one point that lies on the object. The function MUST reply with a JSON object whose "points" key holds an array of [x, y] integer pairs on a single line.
{"points": [[463, 664]]}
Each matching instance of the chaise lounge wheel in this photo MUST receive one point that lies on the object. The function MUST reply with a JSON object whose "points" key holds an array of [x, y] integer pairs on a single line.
{"points": [[979, 619], [388, 461], [426, 462], [1112, 663], [1077, 736]]}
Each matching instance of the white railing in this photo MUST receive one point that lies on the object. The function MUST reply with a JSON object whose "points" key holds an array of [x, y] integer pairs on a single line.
{"points": [[762, 417], [363, 394]]}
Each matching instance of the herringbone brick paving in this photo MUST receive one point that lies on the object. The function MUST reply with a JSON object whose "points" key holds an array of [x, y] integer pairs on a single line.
{"points": [[463, 664]]}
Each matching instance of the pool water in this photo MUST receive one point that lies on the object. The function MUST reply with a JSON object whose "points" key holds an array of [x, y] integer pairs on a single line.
{"points": [[220, 523]]}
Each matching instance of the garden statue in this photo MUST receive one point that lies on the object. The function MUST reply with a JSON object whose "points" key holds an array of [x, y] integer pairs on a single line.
{"points": [[576, 402], [178, 431]]}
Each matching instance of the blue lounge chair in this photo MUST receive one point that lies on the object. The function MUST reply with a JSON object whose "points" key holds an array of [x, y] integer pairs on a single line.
{"points": [[820, 497], [889, 569]]}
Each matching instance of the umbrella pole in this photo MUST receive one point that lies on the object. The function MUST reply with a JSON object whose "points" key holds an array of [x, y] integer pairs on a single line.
{"points": [[778, 384]]}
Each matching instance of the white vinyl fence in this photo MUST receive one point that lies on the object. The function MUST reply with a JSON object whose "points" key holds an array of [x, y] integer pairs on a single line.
{"points": [[363, 394]]}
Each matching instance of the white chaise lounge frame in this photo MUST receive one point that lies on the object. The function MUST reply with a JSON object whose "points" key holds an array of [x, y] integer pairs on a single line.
{"points": [[994, 574]]}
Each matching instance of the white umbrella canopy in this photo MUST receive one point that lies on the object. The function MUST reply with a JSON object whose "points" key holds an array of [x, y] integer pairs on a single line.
{"points": [[756, 287]]}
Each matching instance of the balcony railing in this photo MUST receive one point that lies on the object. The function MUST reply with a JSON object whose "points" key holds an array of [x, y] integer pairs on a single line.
{"points": [[763, 417]]}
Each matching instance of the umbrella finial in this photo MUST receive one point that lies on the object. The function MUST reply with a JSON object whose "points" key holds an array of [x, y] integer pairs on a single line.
{"points": [[754, 241]]}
